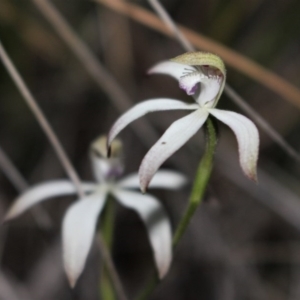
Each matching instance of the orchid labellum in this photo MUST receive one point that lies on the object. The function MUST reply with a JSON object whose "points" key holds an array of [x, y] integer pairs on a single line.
{"points": [[201, 75]]}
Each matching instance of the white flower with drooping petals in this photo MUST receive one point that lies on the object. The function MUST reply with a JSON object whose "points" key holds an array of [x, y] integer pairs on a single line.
{"points": [[79, 224], [203, 76]]}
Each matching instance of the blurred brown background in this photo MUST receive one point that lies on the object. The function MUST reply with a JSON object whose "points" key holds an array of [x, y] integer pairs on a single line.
{"points": [[244, 241]]}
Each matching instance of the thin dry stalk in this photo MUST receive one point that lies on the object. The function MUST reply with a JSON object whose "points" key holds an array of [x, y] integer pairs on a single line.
{"points": [[41, 119], [112, 270], [245, 65], [165, 17], [56, 146], [11, 172], [270, 192], [18, 181], [12, 290], [100, 75], [152, 21], [265, 126], [291, 206]]}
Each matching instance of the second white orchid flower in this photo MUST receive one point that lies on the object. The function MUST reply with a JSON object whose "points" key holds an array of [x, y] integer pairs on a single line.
{"points": [[80, 221], [203, 76]]}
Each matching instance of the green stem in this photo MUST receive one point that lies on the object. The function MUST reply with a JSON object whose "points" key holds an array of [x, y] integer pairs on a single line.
{"points": [[152, 282], [106, 289], [200, 182], [108, 222], [198, 190]]}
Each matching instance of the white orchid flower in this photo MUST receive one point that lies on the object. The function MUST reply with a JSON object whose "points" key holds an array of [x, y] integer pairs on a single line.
{"points": [[203, 76], [81, 218]]}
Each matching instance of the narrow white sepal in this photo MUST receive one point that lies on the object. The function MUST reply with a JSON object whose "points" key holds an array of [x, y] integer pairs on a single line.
{"points": [[78, 231], [174, 137], [143, 108], [157, 224], [42, 192], [165, 179], [247, 137], [173, 69]]}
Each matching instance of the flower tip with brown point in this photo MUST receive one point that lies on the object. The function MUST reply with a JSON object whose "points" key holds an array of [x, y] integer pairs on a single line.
{"points": [[72, 281], [143, 186], [152, 70], [252, 175], [143, 190], [254, 178]]}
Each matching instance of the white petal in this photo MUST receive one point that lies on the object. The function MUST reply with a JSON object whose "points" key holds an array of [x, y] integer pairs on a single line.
{"points": [[173, 69], [41, 192], [162, 179], [143, 108], [247, 137], [174, 137], [210, 87], [78, 231], [157, 224]]}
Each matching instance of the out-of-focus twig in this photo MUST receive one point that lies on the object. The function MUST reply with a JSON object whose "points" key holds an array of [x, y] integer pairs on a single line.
{"points": [[12, 290], [31, 102], [172, 26], [270, 192], [93, 66], [169, 27], [46, 287], [12, 173], [20, 184], [40, 118], [114, 277], [61, 154], [234, 59], [260, 121], [233, 95], [290, 210]]}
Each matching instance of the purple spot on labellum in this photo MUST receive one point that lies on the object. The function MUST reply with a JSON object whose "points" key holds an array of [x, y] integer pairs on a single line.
{"points": [[193, 89], [114, 172], [190, 82], [188, 89]]}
